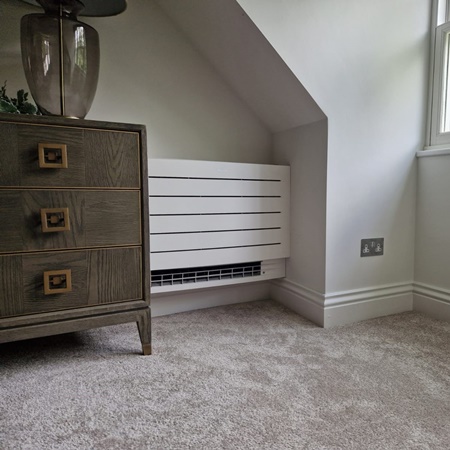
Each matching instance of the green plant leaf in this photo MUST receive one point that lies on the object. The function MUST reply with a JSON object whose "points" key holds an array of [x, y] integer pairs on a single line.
{"points": [[16, 105], [27, 108], [7, 107], [3, 92], [20, 97]]}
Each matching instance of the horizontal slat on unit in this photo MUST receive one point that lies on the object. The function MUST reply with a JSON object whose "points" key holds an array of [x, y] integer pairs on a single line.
{"points": [[214, 169], [172, 224], [216, 257], [195, 241], [221, 188], [213, 213], [206, 205]]}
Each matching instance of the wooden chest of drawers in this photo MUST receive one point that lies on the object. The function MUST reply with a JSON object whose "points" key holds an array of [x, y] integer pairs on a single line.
{"points": [[74, 240]]}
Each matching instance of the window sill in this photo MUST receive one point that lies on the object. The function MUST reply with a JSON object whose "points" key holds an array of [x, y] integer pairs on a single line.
{"points": [[435, 150]]}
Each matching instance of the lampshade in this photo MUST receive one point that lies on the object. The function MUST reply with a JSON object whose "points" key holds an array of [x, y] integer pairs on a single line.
{"points": [[61, 55], [94, 8]]}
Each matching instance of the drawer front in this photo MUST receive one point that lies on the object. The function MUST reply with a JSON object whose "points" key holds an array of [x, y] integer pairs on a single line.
{"points": [[64, 280], [51, 156], [35, 220]]}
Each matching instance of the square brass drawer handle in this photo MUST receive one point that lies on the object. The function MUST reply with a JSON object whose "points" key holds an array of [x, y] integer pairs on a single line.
{"points": [[55, 219], [53, 156], [57, 281]]}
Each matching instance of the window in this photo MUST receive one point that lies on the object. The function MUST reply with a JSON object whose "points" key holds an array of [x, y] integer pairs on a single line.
{"points": [[439, 106]]}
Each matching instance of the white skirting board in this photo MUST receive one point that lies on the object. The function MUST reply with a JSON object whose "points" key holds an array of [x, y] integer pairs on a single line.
{"points": [[432, 301], [205, 214], [328, 310], [348, 307]]}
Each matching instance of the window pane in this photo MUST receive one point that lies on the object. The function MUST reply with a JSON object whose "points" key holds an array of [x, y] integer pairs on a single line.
{"points": [[445, 113]]}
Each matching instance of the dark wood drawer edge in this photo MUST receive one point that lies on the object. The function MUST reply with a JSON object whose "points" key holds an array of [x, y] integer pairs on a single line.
{"points": [[59, 326], [54, 316], [71, 249], [71, 123], [70, 188]]}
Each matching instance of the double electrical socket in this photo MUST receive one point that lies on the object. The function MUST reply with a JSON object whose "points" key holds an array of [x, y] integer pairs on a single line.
{"points": [[372, 247]]}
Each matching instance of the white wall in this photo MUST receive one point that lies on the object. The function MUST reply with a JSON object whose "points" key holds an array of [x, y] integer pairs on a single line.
{"points": [[433, 222], [432, 269], [151, 74], [234, 46], [305, 149], [365, 64]]}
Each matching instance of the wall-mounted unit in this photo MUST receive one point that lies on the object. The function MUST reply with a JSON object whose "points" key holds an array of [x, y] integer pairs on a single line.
{"points": [[216, 223]]}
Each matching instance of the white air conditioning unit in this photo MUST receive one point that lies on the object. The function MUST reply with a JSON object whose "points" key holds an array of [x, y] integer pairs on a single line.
{"points": [[216, 223]]}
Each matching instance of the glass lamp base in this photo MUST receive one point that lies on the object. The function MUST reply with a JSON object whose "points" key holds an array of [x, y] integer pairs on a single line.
{"points": [[61, 58]]}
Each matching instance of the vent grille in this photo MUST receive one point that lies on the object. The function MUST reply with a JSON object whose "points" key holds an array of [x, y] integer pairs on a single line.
{"points": [[190, 275]]}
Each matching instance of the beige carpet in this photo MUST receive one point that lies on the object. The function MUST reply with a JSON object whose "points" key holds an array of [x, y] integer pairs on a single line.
{"points": [[249, 376]]}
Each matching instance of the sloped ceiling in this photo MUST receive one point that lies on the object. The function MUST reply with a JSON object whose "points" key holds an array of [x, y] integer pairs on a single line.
{"points": [[224, 34]]}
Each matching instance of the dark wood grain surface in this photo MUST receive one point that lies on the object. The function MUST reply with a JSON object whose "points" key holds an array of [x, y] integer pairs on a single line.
{"points": [[11, 292], [104, 159], [97, 218], [112, 159], [106, 248]]}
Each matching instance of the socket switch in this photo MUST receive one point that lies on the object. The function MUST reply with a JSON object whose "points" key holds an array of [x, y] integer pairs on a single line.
{"points": [[372, 247]]}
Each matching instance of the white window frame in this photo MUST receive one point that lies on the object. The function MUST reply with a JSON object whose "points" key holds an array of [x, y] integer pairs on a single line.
{"points": [[440, 84], [440, 42]]}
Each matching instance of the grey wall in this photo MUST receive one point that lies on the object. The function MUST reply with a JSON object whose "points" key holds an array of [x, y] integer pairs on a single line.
{"points": [[10, 58]]}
